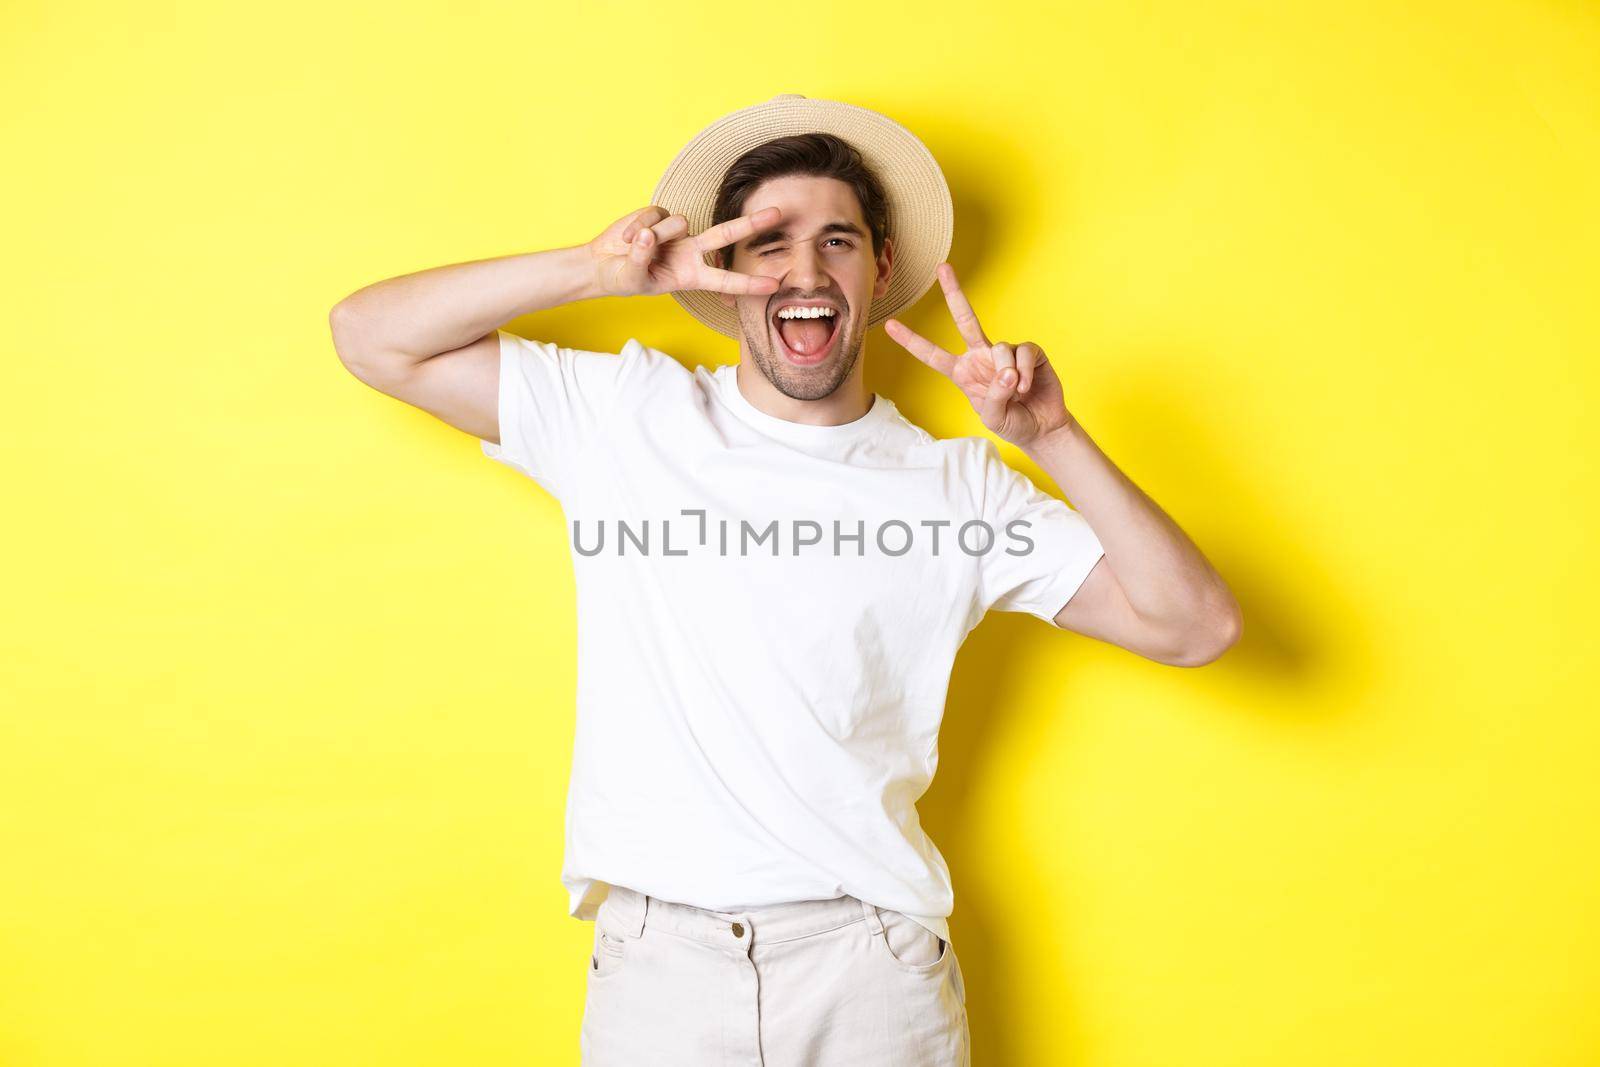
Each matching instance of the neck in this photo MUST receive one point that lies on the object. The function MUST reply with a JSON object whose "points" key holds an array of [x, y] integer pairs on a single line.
{"points": [[845, 404]]}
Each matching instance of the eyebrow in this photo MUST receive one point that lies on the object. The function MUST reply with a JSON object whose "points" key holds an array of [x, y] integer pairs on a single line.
{"points": [[837, 226]]}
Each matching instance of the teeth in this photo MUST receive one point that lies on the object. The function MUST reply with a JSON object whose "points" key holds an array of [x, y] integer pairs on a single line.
{"points": [[805, 313]]}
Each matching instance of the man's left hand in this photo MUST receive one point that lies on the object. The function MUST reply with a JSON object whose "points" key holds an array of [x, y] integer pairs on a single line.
{"points": [[1012, 387]]}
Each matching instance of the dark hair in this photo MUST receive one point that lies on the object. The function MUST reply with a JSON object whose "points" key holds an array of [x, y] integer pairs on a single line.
{"points": [[820, 154]]}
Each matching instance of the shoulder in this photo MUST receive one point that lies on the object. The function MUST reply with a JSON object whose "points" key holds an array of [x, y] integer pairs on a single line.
{"points": [[647, 356], [970, 467], [634, 358], [642, 360], [900, 431], [644, 371], [971, 456], [993, 484], [647, 361]]}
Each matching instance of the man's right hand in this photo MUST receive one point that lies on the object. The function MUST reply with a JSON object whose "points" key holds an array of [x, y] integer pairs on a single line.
{"points": [[647, 252], [431, 338]]}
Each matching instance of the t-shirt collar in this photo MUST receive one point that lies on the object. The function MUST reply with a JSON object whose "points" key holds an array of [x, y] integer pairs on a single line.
{"points": [[798, 432]]}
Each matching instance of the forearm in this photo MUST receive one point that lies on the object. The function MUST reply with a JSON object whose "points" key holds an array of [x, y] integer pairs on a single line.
{"points": [[1166, 578], [417, 316]]}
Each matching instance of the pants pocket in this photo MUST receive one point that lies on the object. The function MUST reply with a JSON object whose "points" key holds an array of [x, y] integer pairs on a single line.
{"points": [[912, 946], [610, 947]]}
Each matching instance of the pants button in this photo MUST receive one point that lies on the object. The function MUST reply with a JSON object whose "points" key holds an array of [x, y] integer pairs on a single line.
{"points": [[738, 929]]}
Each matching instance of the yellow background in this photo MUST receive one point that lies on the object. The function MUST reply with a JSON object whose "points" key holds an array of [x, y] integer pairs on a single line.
{"points": [[288, 666]]}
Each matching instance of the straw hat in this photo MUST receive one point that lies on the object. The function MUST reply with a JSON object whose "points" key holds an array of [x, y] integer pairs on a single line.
{"points": [[920, 216]]}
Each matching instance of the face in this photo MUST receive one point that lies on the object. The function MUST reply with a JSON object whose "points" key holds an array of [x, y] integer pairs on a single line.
{"points": [[821, 254]]}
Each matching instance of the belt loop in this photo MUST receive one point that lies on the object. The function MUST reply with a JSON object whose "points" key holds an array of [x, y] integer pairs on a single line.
{"points": [[635, 926], [874, 922]]}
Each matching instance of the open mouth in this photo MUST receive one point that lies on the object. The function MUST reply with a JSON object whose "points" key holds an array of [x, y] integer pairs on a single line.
{"points": [[806, 332]]}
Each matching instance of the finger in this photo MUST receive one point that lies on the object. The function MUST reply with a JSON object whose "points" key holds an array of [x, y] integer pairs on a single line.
{"points": [[670, 229], [727, 233], [920, 346], [634, 269], [731, 281], [647, 216], [960, 308], [1029, 355], [641, 250], [992, 410], [1005, 360], [644, 217]]}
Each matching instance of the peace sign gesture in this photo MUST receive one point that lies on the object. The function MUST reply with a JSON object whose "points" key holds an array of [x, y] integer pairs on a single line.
{"points": [[647, 252], [1014, 389]]}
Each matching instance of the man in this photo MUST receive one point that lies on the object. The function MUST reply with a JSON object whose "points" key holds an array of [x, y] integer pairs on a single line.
{"points": [[775, 570]]}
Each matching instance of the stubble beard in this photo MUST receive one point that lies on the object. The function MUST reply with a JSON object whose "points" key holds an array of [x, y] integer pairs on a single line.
{"points": [[811, 383]]}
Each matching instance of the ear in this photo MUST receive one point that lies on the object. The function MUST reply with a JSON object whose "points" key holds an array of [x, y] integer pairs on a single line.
{"points": [[885, 268]]}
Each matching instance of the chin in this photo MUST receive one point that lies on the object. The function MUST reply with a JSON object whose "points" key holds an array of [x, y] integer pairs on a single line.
{"points": [[812, 382]]}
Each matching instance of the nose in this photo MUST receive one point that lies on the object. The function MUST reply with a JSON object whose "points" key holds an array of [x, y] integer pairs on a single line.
{"points": [[805, 270]]}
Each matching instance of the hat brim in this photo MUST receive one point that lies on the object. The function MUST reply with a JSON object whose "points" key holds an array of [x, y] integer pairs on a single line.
{"points": [[921, 218]]}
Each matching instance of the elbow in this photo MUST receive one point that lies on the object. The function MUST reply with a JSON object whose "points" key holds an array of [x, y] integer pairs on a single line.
{"points": [[1206, 644], [344, 326], [342, 322]]}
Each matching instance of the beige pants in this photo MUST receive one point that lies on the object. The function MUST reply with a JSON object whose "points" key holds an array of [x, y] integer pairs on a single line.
{"points": [[814, 983]]}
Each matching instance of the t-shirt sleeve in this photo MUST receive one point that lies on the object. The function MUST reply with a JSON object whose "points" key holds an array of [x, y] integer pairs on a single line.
{"points": [[1043, 550], [553, 401]]}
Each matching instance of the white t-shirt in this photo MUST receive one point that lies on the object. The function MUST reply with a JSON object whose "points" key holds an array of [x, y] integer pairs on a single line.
{"points": [[768, 613]]}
